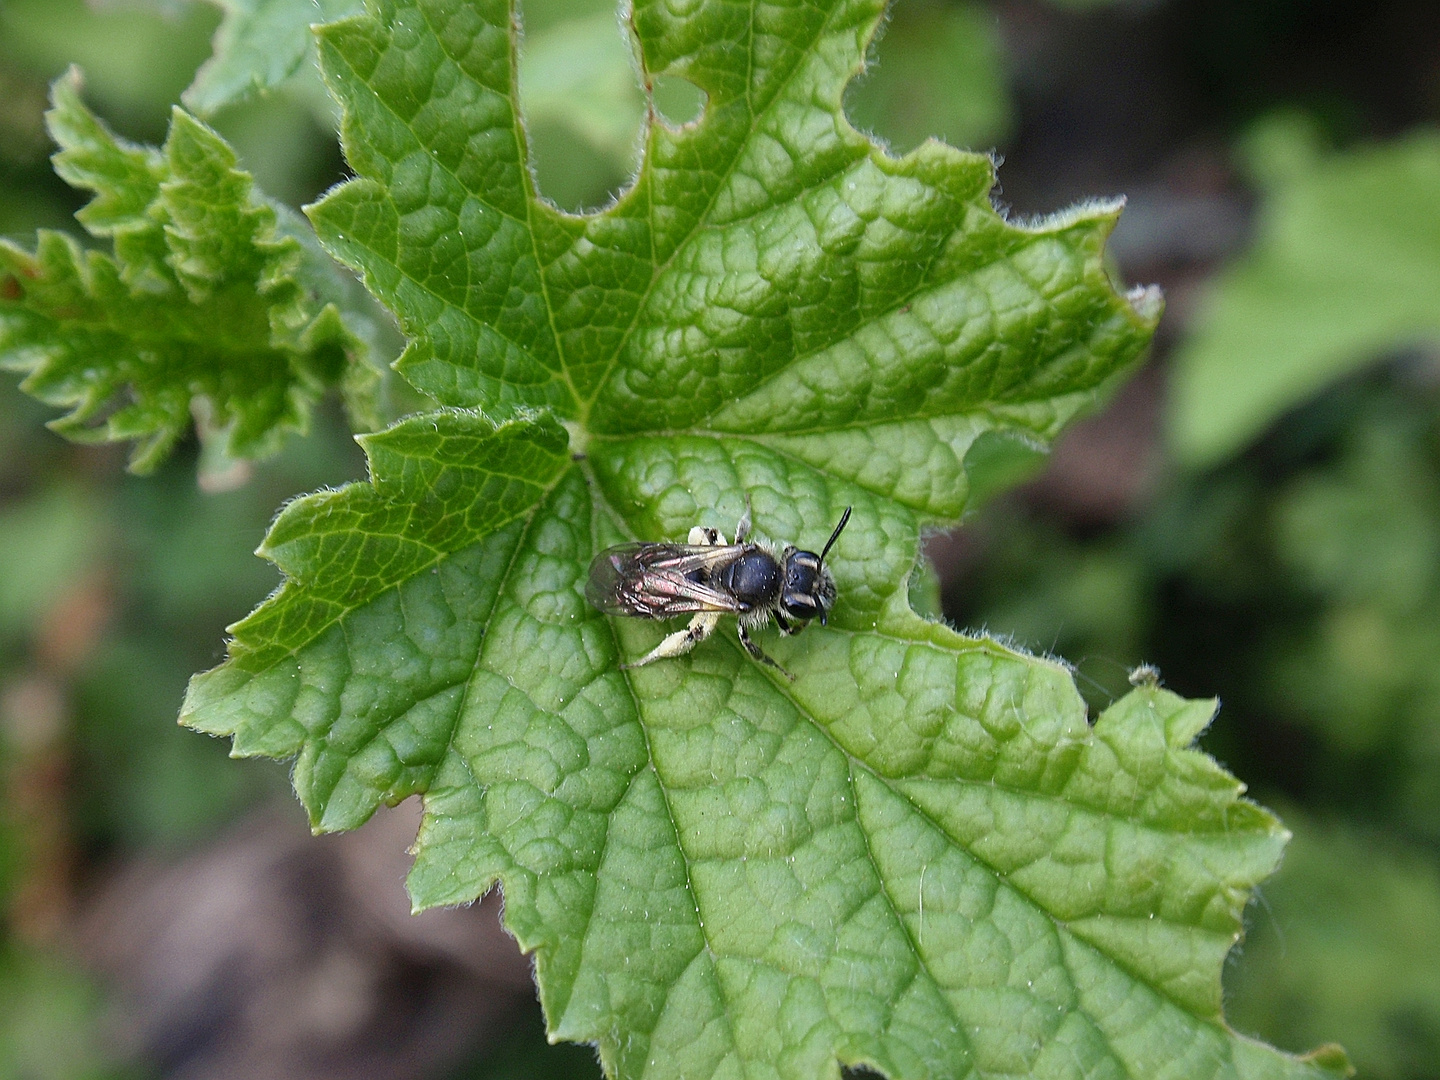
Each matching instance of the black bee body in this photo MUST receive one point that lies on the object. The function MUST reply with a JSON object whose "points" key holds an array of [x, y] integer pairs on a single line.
{"points": [[709, 578], [754, 578]]}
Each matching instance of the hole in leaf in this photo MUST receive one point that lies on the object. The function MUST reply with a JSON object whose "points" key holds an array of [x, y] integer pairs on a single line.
{"points": [[937, 71], [678, 101], [582, 105], [998, 461]]}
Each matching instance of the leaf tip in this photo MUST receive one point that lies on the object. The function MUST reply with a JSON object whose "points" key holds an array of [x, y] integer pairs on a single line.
{"points": [[68, 117], [189, 133], [1332, 1058], [1186, 719], [68, 86], [1102, 212]]}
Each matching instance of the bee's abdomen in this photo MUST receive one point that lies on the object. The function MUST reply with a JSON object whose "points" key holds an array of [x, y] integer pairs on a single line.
{"points": [[753, 579]]}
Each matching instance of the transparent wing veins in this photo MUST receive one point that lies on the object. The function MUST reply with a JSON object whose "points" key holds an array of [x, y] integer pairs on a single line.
{"points": [[660, 580]]}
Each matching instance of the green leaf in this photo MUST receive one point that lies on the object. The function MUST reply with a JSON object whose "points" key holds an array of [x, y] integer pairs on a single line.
{"points": [[259, 45], [918, 856], [1345, 267], [212, 293]]}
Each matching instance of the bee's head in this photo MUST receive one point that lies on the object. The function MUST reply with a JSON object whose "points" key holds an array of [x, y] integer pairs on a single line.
{"points": [[809, 589]]}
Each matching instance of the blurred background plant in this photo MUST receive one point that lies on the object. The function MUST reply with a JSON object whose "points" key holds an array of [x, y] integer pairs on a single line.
{"points": [[1257, 512]]}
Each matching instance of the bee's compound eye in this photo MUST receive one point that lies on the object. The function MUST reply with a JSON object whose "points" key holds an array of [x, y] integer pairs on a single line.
{"points": [[800, 605]]}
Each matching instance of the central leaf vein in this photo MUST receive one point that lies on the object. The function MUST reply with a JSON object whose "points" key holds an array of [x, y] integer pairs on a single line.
{"points": [[702, 218]]}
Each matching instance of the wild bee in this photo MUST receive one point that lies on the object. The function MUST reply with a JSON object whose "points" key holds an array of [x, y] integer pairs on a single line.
{"points": [[753, 581]]}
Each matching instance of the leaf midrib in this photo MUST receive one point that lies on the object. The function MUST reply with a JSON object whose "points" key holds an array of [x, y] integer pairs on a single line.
{"points": [[925, 286], [525, 225], [884, 888], [323, 737], [702, 221]]}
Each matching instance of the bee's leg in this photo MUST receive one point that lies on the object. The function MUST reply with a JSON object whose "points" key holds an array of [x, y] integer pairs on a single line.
{"points": [[700, 536], [742, 530], [786, 626], [682, 641], [755, 651]]}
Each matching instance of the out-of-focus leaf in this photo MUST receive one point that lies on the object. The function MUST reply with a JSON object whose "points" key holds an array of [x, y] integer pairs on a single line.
{"points": [[49, 1021], [259, 45], [579, 73], [144, 781], [213, 292], [1360, 536], [49, 542], [137, 61], [582, 105], [939, 71], [1345, 267], [1367, 527], [1346, 945], [22, 119]]}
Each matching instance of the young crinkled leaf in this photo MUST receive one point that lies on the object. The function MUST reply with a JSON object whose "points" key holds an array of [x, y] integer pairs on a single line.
{"points": [[918, 855], [212, 292]]}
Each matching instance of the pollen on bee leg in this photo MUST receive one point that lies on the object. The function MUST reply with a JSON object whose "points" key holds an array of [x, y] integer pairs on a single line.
{"points": [[681, 641]]}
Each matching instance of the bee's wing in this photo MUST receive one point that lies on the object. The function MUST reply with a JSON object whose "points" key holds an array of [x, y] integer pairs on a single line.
{"points": [[659, 580]]}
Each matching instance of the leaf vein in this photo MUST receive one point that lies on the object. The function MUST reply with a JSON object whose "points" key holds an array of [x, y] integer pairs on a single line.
{"points": [[702, 218]]}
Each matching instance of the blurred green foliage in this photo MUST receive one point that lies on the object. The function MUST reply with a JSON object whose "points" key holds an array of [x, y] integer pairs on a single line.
{"points": [[1346, 945], [136, 60], [260, 45], [47, 1010], [1297, 576], [938, 70], [1344, 268]]}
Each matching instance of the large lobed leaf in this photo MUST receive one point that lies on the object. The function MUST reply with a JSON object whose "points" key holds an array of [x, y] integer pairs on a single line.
{"points": [[212, 292], [918, 856]]}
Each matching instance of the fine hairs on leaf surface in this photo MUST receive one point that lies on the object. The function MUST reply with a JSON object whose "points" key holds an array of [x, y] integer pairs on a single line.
{"points": [[919, 856], [212, 292]]}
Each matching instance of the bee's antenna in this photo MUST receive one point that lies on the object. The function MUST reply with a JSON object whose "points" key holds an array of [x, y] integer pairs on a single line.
{"points": [[845, 517]]}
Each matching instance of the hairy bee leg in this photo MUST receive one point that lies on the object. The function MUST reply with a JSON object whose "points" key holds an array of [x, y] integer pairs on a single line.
{"points": [[755, 651], [682, 641], [742, 528], [701, 626], [785, 625]]}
